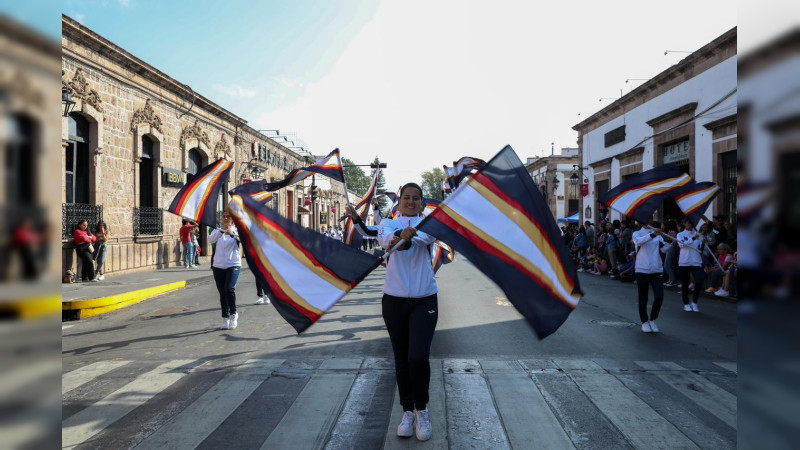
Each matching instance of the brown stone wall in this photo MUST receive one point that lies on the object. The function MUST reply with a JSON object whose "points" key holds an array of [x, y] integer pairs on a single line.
{"points": [[133, 100]]}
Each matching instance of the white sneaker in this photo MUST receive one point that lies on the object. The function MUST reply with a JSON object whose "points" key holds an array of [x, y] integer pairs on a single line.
{"points": [[721, 293], [226, 324], [234, 320], [647, 328], [653, 326], [686, 307], [260, 301], [267, 301], [580, 270], [406, 427], [194, 266], [423, 425], [694, 307], [691, 286]]}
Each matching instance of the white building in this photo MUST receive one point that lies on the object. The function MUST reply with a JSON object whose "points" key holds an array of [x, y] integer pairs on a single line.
{"points": [[686, 115], [558, 181]]}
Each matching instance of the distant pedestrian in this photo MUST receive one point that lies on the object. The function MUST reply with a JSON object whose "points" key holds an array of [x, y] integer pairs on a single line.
{"points": [[84, 239], [186, 231], [649, 270], [100, 249], [227, 265], [591, 237], [690, 264]]}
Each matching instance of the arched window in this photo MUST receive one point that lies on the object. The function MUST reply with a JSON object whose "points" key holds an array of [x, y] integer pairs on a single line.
{"points": [[77, 160], [20, 174], [146, 177]]}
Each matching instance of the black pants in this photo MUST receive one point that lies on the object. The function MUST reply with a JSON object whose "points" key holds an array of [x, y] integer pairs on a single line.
{"points": [[683, 273], [226, 285], [87, 262], [411, 323], [643, 283]]}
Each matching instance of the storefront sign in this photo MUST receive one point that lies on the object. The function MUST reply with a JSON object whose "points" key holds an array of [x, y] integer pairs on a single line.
{"points": [[676, 152], [584, 190], [172, 177]]}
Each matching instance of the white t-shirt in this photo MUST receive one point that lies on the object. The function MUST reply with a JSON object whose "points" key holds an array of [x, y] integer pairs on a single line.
{"points": [[227, 253], [409, 272], [689, 256]]}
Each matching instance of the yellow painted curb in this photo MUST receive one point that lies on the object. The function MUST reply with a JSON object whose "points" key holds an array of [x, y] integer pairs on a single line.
{"points": [[31, 308], [93, 307]]}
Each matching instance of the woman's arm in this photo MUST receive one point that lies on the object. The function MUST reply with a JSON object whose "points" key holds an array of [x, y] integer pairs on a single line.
{"points": [[215, 235]]}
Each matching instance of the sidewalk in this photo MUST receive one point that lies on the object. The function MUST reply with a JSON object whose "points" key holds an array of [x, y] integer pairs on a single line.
{"points": [[82, 300]]}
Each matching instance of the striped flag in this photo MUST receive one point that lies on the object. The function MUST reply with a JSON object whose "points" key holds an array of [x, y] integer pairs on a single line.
{"points": [[694, 198], [441, 254], [197, 199], [306, 272], [329, 166], [500, 222], [641, 195], [464, 167], [256, 190], [362, 208], [450, 176]]}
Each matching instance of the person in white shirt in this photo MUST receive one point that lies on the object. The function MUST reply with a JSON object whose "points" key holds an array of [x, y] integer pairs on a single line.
{"points": [[227, 266], [690, 263], [649, 269], [410, 308]]}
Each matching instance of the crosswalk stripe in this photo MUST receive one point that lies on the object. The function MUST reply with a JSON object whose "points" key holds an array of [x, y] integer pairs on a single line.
{"points": [[712, 398], [732, 366], [310, 418], [640, 424], [198, 420], [472, 417], [528, 420], [94, 419], [85, 374], [349, 429], [436, 411]]}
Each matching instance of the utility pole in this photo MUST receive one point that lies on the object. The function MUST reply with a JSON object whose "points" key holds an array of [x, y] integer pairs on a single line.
{"points": [[313, 203]]}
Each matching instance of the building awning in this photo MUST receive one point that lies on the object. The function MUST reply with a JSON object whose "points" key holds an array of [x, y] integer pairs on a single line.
{"points": [[302, 210]]}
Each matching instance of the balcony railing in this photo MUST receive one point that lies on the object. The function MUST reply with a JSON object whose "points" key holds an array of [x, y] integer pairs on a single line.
{"points": [[72, 213], [147, 221]]}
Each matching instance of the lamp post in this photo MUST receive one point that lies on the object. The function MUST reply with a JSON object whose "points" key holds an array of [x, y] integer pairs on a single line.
{"points": [[67, 101]]}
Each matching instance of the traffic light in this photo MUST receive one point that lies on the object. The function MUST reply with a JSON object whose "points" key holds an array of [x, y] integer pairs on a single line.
{"points": [[315, 191]]}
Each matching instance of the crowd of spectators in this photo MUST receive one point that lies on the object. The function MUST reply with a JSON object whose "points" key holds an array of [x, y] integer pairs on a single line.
{"points": [[607, 249]]}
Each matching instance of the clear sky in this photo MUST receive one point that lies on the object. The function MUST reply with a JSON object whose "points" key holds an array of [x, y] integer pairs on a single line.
{"points": [[417, 83]]}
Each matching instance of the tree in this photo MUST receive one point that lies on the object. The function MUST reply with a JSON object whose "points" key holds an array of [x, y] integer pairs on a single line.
{"points": [[380, 187], [432, 183], [357, 181]]}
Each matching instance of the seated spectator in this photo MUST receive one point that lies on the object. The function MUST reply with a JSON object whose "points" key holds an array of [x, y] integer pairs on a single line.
{"points": [[627, 271], [601, 266], [728, 280], [716, 274]]}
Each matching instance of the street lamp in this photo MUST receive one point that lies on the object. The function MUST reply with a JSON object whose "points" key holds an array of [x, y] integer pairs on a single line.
{"points": [[67, 101], [574, 179], [555, 183]]}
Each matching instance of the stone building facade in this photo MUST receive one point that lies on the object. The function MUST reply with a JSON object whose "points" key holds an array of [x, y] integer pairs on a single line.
{"points": [[134, 138], [686, 115], [558, 181]]}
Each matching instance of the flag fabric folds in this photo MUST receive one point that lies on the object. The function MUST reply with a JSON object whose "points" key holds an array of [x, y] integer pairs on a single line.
{"points": [[464, 167], [306, 272], [441, 254], [255, 190], [450, 177], [329, 166], [694, 198], [197, 199], [641, 195], [362, 208], [500, 222]]}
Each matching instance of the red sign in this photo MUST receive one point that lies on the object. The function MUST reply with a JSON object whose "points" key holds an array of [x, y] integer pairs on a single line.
{"points": [[307, 201], [333, 209], [246, 180], [584, 190]]}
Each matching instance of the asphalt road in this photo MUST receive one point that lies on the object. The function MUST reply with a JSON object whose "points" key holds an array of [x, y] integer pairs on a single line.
{"points": [[150, 374]]}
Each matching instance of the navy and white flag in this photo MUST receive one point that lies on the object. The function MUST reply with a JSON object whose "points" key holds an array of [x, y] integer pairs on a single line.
{"points": [[640, 196], [500, 222]]}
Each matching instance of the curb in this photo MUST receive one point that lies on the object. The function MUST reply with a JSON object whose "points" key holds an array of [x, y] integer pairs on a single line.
{"points": [[31, 308], [82, 309]]}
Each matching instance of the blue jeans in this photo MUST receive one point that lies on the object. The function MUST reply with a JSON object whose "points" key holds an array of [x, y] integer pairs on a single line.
{"points": [[188, 258], [226, 285]]}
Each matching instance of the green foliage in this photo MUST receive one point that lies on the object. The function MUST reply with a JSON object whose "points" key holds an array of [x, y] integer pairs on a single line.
{"points": [[357, 181], [380, 187], [432, 183]]}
